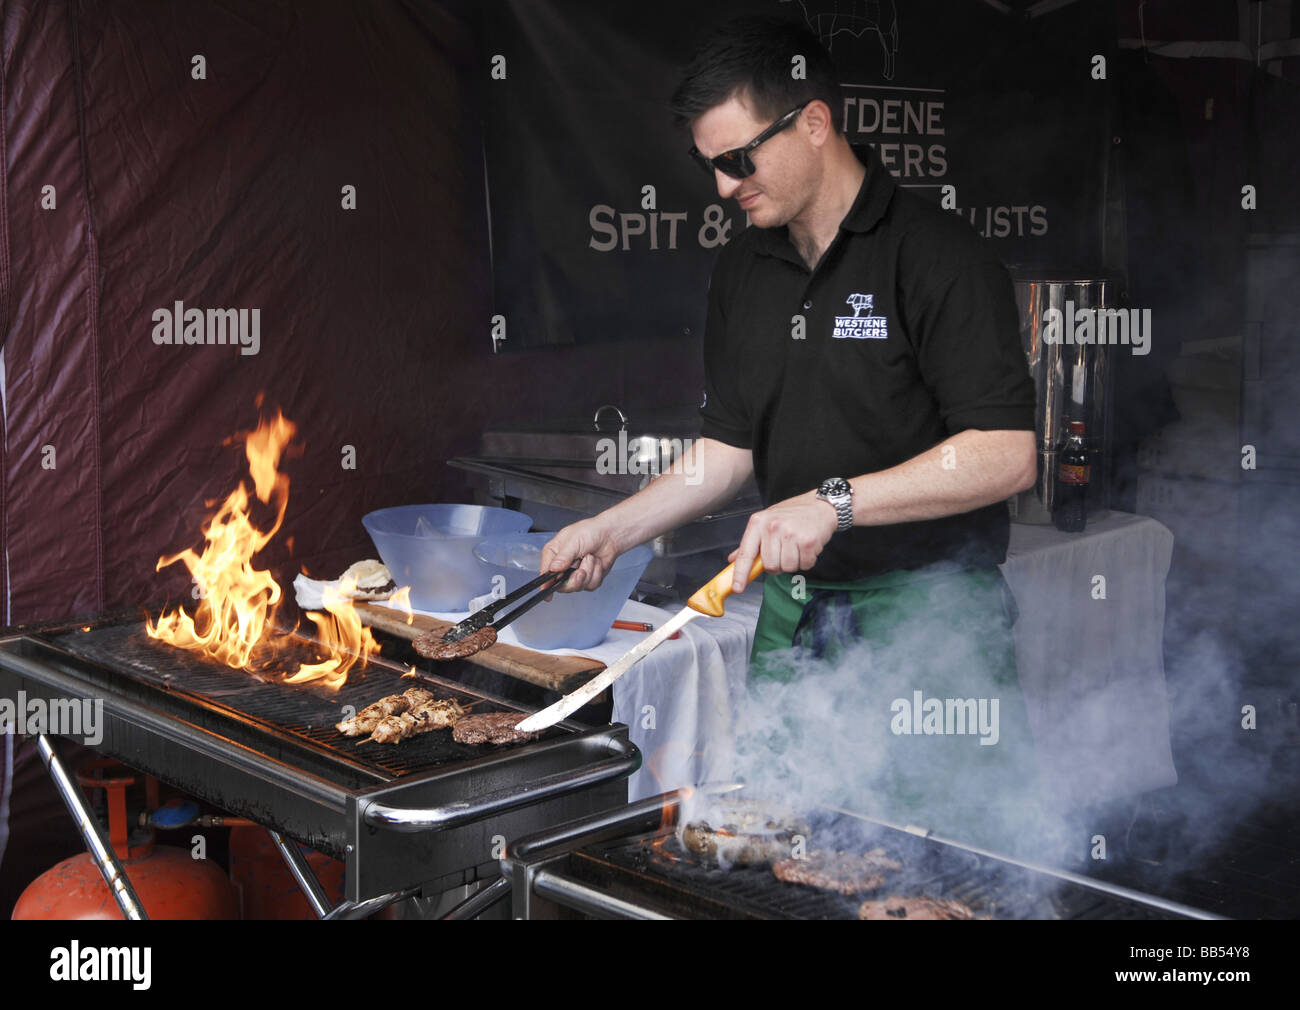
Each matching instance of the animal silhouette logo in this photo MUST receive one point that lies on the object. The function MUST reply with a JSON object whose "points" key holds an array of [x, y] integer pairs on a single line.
{"points": [[860, 302]]}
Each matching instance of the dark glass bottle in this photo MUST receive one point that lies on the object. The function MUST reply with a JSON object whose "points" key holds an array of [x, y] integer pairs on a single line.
{"points": [[1070, 513]]}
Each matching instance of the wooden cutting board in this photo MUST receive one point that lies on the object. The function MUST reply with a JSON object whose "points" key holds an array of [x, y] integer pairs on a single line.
{"points": [[555, 673]]}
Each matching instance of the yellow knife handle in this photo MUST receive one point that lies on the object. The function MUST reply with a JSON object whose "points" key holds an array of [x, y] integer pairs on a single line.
{"points": [[710, 598]]}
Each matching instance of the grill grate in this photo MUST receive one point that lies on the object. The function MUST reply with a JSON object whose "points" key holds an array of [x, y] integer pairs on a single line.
{"points": [[666, 871], [306, 712]]}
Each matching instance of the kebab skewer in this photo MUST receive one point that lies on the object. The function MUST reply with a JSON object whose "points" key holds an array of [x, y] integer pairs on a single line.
{"points": [[398, 716]]}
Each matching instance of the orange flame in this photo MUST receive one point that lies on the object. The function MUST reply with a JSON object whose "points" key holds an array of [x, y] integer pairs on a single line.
{"points": [[238, 602], [401, 600], [343, 636]]}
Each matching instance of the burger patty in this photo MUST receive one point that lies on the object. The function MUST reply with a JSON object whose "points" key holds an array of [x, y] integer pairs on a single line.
{"points": [[490, 727], [842, 872], [914, 908], [431, 646], [378, 593]]}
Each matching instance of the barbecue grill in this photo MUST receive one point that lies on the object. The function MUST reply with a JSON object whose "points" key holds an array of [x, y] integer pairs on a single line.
{"points": [[627, 863], [424, 815]]}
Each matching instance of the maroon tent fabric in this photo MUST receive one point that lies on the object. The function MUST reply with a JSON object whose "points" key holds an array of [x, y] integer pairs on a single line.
{"points": [[227, 192]]}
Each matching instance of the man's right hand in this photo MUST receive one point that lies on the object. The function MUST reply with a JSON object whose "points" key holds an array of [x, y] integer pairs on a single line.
{"points": [[593, 542]]}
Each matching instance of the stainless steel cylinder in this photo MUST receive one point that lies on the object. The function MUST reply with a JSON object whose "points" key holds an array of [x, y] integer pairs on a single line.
{"points": [[1072, 377]]}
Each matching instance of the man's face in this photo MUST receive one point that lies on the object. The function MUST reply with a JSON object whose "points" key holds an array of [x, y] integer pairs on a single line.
{"points": [[781, 186]]}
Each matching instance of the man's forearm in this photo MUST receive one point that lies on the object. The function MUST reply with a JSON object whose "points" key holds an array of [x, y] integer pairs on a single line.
{"points": [[965, 472], [706, 476]]}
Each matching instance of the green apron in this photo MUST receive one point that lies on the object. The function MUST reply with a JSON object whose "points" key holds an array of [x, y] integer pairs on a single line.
{"points": [[930, 647]]}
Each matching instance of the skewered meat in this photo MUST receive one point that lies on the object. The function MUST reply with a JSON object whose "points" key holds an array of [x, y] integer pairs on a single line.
{"points": [[490, 727], [914, 908], [436, 713], [738, 830], [433, 713], [730, 849], [431, 646], [843, 872], [397, 716], [393, 728], [368, 718], [417, 696]]}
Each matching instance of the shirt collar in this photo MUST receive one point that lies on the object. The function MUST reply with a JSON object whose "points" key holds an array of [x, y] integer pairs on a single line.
{"points": [[868, 208]]}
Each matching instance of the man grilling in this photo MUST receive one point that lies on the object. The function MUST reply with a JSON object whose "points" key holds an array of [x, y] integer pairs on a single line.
{"points": [[863, 363]]}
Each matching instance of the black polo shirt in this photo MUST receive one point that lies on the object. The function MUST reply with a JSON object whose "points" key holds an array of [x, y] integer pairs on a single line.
{"points": [[910, 335]]}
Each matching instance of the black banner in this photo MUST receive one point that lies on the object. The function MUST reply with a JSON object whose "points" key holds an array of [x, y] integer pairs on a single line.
{"points": [[602, 228]]}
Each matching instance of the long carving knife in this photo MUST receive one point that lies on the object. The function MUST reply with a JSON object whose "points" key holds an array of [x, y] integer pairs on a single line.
{"points": [[709, 600]]}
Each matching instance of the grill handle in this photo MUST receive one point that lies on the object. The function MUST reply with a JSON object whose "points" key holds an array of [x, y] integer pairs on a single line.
{"points": [[625, 760]]}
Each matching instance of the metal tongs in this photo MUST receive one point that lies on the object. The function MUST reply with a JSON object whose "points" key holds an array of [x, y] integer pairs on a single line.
{"points": [[480, 619]]}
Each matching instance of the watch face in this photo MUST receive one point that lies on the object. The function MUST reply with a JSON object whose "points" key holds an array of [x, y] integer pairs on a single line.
{"points": [[834, 485]]}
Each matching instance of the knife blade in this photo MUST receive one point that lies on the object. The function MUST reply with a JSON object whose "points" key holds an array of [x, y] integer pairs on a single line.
{"points": [[709, 599]]}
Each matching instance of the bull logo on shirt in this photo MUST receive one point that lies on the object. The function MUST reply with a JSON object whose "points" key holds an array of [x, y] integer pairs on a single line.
{"points": [[860, 302], [859, 326]]}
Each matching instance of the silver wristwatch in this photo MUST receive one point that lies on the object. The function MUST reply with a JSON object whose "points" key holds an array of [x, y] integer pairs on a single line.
{"points": [[839, 493]]}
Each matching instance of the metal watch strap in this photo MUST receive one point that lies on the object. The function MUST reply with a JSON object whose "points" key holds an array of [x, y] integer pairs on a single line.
{"points": [[838, 493]]}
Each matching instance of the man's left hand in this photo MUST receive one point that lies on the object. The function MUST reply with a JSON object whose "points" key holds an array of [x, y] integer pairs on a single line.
{"points": [[788, 537]]}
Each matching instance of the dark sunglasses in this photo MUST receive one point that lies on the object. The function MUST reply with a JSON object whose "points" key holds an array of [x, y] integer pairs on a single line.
{"points": [[737, 162]]}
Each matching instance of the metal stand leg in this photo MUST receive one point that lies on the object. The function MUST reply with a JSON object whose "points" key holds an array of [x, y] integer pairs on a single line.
{"points": [[496, 891], [93, 834], [316, 896], [362, 909]]}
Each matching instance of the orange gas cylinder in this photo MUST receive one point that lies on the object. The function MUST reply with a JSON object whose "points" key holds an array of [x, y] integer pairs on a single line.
{"points": [[169, 882], [267, 888]]}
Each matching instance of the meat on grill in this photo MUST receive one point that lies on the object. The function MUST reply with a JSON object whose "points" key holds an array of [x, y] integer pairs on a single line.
{"points": [[914, 908], [742, 831], [431, 646], [435, 713], [368, 718], [416, 696], [490, 727], [398, 716], [842, 872], [731, 849], [392, 728]]}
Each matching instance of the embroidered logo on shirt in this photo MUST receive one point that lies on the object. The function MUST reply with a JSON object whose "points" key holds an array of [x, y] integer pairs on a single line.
{"points": [[859, 326]]}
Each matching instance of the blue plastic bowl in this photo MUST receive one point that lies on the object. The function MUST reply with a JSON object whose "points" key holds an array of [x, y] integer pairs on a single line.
{"points": [[430, 548], [570, 620]]}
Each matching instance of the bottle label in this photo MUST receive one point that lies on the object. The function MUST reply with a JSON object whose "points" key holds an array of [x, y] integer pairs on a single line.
{"points": [[1069, 474]]}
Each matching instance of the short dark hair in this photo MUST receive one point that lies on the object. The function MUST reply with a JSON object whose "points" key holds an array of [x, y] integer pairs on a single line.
{"points": [[753, 56]]}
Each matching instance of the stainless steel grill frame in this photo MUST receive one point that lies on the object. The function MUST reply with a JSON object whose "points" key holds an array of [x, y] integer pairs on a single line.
{"points": [[436, 819]]}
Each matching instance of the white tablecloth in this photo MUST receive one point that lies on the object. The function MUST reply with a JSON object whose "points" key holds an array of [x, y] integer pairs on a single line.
{"points": [[1091, 668]]}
